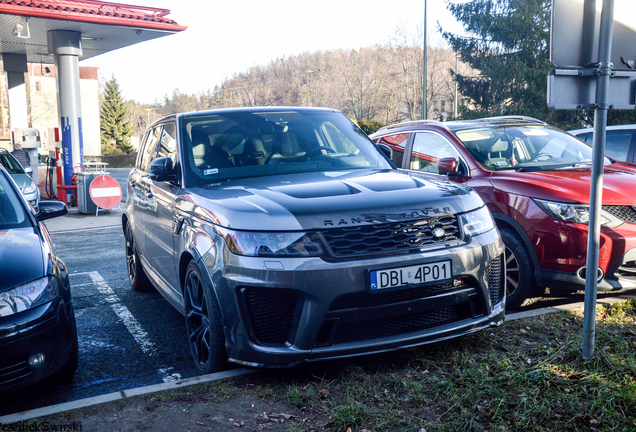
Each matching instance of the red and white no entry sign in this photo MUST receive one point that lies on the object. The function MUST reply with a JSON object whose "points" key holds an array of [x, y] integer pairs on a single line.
{"points": [[105, 192]]}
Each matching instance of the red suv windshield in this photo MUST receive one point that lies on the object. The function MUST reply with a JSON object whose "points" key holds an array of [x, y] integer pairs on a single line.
{"points": [[524, 148]]}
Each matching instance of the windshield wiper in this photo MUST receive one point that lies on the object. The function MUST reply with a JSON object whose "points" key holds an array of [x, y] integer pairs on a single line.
{"points": [[580, 164]]}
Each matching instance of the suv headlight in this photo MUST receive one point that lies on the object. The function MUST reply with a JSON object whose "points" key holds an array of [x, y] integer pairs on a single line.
{"points": [[477, 221], [28, 296], [577, 213], [272, 244], [29, 189]]}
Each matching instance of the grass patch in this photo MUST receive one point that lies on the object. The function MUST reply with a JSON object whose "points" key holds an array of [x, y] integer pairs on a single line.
{"points": [[527, 375]]}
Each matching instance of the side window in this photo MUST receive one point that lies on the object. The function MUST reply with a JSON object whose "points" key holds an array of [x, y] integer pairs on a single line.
{"points": [[428, 148], [617, 144], [168, 143], [142, 147], [150, 147], [397, 143]]}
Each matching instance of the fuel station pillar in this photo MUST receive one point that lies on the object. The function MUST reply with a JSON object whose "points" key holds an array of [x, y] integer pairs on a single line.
{"points": [[66, 46]]}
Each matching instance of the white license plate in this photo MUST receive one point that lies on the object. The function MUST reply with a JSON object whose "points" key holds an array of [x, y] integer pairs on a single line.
{"points": [[411, 275]]}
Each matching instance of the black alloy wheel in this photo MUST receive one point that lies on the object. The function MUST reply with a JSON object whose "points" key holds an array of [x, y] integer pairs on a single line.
{"points": [[136, 275], [520, 283], [203, 324]]}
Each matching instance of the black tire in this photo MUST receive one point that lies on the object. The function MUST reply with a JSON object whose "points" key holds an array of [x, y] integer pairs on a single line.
{"points": [[203, 323], [520, 283], [136, 275], [66, 372]]}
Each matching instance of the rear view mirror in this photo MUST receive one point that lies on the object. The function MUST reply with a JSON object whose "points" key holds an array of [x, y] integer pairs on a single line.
{"points": [[448, 166], [386, 150], [50, 209], [161, 169]]}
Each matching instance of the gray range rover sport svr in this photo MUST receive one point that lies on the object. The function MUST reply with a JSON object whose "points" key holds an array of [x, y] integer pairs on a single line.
{"points": [[285, 235]]}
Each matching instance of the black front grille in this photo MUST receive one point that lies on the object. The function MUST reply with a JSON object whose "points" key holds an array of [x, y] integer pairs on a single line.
{"points": [[624, 213], [495, 277], [364, 315], [271, 313], [395, 237], [357, 331], [14, 373], [366, 299]]}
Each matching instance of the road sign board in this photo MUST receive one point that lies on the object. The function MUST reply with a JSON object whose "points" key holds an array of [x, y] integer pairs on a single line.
{"points": [[574, 34], [105, 192], [569, 89]]}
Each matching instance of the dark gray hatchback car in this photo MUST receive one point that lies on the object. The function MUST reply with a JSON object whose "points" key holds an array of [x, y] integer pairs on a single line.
{"points": [[285, 235]]}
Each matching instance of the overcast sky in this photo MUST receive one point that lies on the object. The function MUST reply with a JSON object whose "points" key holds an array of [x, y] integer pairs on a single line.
{"points": [[228, 37]]}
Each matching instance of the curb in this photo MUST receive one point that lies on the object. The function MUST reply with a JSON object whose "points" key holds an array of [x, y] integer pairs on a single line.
{"points": [[110, 397]]}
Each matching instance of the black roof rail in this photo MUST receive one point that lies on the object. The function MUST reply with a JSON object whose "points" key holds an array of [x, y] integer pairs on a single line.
{"points": [[413, 123]]}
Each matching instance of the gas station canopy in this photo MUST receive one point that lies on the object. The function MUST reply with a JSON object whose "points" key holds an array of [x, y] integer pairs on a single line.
{"points": [[104, 26]]}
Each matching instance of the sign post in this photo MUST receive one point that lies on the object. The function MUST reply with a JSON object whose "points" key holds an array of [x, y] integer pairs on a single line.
{"points": [[585, 80]]}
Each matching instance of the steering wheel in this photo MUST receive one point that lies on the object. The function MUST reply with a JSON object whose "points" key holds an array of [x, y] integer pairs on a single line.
{"points": [[310, 154], [537, 156]]}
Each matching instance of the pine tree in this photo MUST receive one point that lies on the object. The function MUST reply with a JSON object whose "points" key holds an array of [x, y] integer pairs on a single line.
{"points": [[114, 123], [508, 44]]}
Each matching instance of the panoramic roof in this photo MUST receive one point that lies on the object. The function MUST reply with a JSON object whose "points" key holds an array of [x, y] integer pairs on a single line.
{"points": [[104, 26]]}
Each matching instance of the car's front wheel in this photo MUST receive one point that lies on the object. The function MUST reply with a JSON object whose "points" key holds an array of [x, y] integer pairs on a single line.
{"points": [[203, 323], [520, 283], [136, 275]]}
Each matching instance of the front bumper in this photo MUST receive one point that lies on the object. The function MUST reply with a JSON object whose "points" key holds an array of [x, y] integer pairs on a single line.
{"points": [[281, 312], [45, 329], [562, 250]]}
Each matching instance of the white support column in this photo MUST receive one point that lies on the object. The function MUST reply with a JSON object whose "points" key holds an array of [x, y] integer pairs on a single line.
{"points": [[15, 65], [66, 46]]}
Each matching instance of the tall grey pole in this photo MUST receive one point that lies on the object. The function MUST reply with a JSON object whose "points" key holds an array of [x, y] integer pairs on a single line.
{"points": [[67, 48], [456, 91], [307, 85], [596, 185], [424, 69]]}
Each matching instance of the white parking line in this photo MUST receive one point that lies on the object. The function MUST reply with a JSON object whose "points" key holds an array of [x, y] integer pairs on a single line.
{"points": [[131, 323]]}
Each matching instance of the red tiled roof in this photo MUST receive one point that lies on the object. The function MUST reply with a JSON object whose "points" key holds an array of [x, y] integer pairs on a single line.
{"points": [[92, 11]]}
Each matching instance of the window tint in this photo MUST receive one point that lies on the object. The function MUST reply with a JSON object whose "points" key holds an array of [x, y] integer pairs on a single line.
{"points": [[528, 148], [12, 213], [428, 148], [10, 164], [617, 144], [397, 143], [245, 144], [150, 148], [168, 143]]}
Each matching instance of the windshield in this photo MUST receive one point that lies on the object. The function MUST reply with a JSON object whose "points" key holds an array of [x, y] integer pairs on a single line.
{"points": [[10, 164], [525, 148], [12, 212], [240, 144]]}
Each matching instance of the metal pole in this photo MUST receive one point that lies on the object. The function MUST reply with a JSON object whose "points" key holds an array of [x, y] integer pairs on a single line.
{"points": [[424, 69], [455, 102], [307, 82], [596, 185]]}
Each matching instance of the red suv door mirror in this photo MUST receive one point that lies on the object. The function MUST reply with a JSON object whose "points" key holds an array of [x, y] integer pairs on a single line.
{"points": [[448, 166]]}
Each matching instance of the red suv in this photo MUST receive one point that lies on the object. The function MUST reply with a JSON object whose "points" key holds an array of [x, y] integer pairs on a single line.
{"points": [[535, 179]]}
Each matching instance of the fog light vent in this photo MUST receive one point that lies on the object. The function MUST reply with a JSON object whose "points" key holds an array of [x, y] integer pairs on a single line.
{"points": [[36, 361]]}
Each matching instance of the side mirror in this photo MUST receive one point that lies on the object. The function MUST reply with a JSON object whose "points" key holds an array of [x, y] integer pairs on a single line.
{"points": [[386, 150], [448, 166], [50, 209], [161, 169], [29, 171]]}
